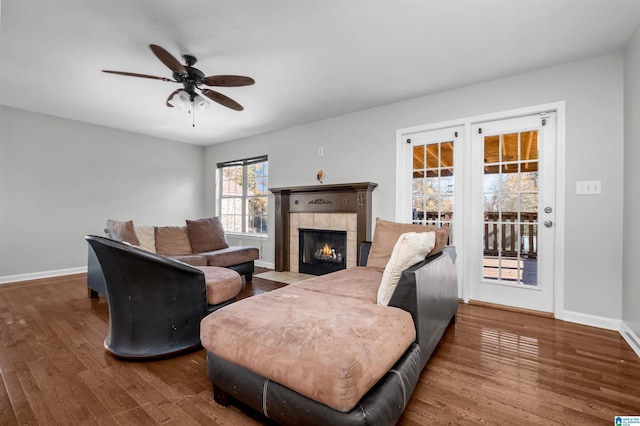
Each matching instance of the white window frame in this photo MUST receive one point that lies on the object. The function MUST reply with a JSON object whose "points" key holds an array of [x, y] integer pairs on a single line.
{"points": [[244, 197]]}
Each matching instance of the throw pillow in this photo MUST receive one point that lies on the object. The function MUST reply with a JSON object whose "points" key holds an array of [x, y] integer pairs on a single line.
{"points": [[122, 231], [411, 248], [172, 240], [206, 235], [386, 235], [146, 235]]}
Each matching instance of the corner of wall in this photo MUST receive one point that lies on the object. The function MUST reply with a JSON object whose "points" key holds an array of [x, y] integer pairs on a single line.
{"points": [[631, 192]]}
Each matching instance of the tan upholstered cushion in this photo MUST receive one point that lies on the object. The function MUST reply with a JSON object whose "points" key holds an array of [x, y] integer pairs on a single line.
{"points": [[283, 335], [222, 284], [206, 235], [387, 233], [191, 259], [411, 248], [146, 235], [354, 283], [172, 240], [231, 256], [122, 231]]}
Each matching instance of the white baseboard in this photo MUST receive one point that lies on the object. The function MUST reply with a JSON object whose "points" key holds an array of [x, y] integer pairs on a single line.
{"points": [[71, 271], [607, 323], [632, 339], [592, 320], [39, 275], [263, 264]]}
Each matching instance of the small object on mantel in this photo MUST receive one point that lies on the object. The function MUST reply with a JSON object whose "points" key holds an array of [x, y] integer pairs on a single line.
{"points": [[319, 176]]}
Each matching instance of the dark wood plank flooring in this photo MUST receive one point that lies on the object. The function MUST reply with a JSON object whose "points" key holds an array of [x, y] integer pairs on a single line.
{"points": [[492, 367]]}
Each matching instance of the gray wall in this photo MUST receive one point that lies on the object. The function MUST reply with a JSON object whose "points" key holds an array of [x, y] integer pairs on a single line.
{"points": [[361, 147], [631, 259], [62, 179]]}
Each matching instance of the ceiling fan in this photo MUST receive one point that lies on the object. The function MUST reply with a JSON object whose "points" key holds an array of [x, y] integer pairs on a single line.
{"points": [[191, 79]]}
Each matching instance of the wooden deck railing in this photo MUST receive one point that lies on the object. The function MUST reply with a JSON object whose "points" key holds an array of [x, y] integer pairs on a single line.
{"points": [[514, 237]]}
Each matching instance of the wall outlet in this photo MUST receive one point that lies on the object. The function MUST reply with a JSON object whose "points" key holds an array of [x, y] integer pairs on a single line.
{"points": [[320, 152], [591, 187]]}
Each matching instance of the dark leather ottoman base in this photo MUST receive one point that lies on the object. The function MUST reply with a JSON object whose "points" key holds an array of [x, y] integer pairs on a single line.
{"points": [[382, 405]]}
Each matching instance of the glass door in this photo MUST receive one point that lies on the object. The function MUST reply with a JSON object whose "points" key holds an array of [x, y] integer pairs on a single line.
{"points": [[432, 179], [510, 210], [514, 190], [432, 195]]}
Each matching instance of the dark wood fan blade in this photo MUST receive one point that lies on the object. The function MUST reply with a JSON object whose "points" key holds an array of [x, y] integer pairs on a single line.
{"points": [[133, 74], [228, 80], [222, 99], [167, 59]]}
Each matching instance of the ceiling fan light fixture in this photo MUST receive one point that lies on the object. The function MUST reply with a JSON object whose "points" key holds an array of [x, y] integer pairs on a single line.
{"points": [[181, 101], [200, 103], [191, 78]]}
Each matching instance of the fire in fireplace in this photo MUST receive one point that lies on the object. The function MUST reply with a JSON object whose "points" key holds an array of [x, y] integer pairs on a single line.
{"points": [[322, 251]]}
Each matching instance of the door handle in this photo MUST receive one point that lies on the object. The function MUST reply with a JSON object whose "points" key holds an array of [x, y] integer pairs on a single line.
{"points": [[548, 223]]}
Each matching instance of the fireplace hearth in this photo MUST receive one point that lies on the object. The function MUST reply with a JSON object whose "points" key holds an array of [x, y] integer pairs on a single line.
{"points": [[322, 251]]}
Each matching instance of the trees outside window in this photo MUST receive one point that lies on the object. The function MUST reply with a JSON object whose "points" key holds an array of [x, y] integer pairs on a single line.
{"points": [[243, 195]]}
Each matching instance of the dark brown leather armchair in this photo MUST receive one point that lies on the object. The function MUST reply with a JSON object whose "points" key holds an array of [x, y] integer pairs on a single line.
{"points": [[155, 303]]}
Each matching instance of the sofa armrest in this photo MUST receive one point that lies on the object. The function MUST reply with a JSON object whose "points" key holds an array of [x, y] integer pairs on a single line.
{"points": [[429, 292], [365, 247], [95, 277]]}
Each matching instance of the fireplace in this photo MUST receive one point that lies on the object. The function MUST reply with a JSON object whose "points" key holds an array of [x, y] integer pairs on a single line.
{"points": [[337, 207], [322, 251]]}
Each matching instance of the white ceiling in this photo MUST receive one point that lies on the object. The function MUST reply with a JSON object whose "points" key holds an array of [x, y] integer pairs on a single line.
{"points": [[311, 59]]}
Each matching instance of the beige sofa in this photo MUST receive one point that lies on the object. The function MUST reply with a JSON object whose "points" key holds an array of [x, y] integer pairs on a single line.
{"points": [[200, 242]]}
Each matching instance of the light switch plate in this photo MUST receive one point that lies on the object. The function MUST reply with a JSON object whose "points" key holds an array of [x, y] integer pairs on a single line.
{"points": [[590, 187]]}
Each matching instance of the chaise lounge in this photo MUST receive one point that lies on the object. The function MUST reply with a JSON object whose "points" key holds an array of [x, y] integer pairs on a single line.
{"points": [[341, 348]]}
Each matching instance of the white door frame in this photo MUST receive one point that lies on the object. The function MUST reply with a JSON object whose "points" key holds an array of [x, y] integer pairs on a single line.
{"points": [[462, 219], [404, 168]]}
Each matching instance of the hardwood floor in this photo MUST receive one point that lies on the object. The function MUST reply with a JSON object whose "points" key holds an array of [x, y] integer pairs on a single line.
{"points": [[492, 367]]}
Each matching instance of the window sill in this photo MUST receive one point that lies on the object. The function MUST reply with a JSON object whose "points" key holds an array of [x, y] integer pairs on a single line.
{"points": [[247, 235]]}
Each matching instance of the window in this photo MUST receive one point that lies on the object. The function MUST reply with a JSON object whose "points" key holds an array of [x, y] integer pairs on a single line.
{"points": [[242, 195], [429, 167], [432, 190]]}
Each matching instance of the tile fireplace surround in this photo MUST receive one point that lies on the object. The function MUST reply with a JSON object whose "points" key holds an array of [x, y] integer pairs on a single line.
{"points": [[341, 207]]}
